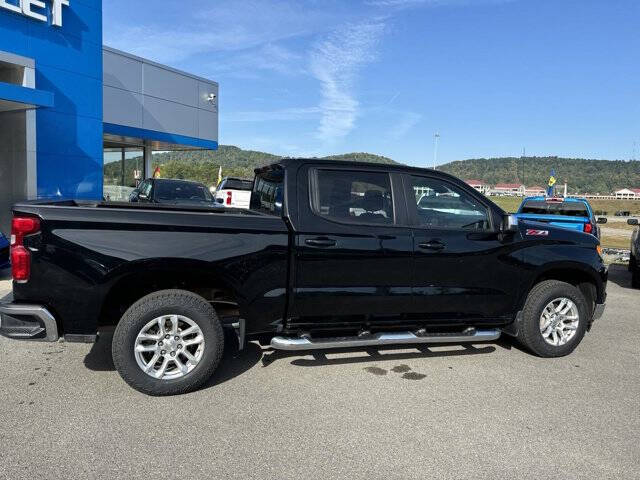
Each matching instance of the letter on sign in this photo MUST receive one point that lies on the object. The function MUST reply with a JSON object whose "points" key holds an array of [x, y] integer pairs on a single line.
{"points": [[36, 9], [57, 12], [27, 6], [10, 6]]}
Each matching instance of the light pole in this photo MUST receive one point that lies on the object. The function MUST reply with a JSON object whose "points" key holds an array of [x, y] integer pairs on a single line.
{"points": [[436, 137]]}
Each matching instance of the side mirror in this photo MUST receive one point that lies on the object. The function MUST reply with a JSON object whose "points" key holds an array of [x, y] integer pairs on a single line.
{"points": [[509, 223], [601, 220], [632, 221]]}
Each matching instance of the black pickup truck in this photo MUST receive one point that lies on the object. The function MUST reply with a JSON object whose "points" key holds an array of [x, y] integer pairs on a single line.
{"points": [[330, 254]]}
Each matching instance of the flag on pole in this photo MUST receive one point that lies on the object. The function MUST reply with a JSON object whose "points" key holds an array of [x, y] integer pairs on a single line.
{"points": [[552, 182], [219, 175]]}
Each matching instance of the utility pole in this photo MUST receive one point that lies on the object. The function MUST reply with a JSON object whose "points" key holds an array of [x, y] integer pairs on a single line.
{"points": [[436, 137], [524, 154]]}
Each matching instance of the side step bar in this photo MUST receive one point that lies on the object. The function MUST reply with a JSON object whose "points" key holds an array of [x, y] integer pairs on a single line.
{"points": [[399, 338]]}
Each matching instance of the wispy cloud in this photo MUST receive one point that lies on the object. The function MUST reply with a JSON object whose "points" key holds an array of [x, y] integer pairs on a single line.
{"points": [[252, 63], [407, 121], [229, 26], [433, 3], [335, 62], [284, 115]]}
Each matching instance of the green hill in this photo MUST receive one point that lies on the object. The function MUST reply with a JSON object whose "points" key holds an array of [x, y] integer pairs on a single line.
{"points": [[582, 175], [203, 165]]}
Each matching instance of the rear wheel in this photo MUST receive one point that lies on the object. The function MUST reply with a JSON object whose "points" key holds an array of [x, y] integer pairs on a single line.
{"points": [[554, 320], [169, 342]]}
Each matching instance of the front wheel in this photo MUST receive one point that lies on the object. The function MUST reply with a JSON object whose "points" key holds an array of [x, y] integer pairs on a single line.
{"points": [[167, 343], [554, 319]]}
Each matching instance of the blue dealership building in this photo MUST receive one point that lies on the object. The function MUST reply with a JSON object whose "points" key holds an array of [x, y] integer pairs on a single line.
{"points": [[69, 105]]}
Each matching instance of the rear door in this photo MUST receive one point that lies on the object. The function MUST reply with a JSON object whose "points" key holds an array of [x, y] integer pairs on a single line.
{"points": [[352, 253], [463, 268]]}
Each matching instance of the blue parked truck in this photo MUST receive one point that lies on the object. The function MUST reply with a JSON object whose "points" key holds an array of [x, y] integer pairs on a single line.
{"points": [[571, 213]]}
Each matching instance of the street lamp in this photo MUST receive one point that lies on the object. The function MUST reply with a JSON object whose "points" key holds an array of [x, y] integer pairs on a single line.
{"points": [[436, 137]]}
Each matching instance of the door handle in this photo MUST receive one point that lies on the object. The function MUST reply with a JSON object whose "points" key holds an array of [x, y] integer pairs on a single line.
{"points": [[432, 245], [320, 242]]}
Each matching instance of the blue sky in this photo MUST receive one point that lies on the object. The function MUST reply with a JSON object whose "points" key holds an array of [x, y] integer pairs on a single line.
{"points": [[316, 77]]}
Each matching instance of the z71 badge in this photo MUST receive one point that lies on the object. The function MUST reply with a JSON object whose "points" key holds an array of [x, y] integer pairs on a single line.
{"points": [[537, 233]]}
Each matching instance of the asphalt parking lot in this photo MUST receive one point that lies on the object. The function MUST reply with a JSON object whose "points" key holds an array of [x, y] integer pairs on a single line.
{"points": [[486, 411]]}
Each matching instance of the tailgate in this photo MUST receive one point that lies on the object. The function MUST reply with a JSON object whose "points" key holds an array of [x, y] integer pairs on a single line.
{"points": [[572, 223]]}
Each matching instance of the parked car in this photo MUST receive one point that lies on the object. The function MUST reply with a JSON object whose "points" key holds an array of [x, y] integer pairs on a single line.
{"points": [[634, 256], [331, 254], [4, 252], [171, 191], [234, 192], [572, 213]]}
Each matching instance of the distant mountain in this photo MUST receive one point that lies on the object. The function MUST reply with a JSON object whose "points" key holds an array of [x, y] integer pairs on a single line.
{"points": [[582, 175], [203, 165]]}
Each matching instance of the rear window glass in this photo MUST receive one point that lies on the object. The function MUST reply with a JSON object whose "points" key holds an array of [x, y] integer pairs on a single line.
{"points": [[176, 190], [569, 209], [236, 184], [268, 192]]}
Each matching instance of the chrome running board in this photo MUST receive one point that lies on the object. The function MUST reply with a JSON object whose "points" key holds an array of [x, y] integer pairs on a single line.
{"points": [[398, 338]]}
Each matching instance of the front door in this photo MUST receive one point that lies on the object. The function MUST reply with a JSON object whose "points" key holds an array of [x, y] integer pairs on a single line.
{"points": [[352, 256], [464, 268]]}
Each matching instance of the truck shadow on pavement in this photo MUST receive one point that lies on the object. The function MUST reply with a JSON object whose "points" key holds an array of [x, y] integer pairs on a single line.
{"points": [[234, 362], [620, 275], [373, 354]]}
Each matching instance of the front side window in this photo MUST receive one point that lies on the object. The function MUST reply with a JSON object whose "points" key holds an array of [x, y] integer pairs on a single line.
{"points": [[443, 205], [352, 196]]}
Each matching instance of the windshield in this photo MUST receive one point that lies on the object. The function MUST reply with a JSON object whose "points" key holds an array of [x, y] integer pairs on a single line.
{"points": [[569, 209], [168, 190]]}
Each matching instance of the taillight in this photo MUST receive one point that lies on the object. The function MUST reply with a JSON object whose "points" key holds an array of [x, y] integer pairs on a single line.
{"points": [[20, 263], [229, 195], [20, 256], [588, 228]]}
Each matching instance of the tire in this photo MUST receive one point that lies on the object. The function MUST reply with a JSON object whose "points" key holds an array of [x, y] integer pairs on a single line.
{"points": [[541, 296], [632, 263], [143, 319]]}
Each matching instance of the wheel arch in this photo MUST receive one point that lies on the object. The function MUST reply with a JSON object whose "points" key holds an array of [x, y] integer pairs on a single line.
{"points": [[576, 274], [144, 277]]}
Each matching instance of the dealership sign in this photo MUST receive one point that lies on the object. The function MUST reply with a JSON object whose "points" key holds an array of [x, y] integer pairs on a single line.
{"points": [[36, 9]]}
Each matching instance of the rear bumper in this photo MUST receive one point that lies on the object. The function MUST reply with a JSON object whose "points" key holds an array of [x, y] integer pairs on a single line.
{"points": [[27, 322]]}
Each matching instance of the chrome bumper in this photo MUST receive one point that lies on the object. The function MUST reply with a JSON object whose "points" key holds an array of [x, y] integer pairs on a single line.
{"points": [[27, 322], [598, 311]]}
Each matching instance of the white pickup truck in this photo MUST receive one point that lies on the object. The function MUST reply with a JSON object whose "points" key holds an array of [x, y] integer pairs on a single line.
{"points": [[234, 192]]}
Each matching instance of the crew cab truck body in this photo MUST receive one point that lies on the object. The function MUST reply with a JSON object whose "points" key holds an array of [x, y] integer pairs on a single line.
{"points": [[331, 254]]}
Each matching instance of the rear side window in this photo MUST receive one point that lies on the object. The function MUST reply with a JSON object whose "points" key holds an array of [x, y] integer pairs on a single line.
{"points": [[352, 196], [236, 184], [541, 207], [267, 195]]}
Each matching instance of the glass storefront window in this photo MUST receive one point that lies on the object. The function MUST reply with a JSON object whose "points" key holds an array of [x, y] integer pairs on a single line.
{"points": [[123, 171]]}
